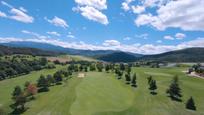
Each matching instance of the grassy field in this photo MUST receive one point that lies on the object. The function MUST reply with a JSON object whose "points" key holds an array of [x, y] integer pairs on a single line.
{"points": [[103, 94]]}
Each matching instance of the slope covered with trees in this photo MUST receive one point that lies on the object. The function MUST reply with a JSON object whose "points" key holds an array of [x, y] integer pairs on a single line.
{"points": [[184, 55], [6, 50]]}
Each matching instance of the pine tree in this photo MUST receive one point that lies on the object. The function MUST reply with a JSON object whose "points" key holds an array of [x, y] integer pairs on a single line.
{"points": [[134, 82], [190, 104], [128, 79], [43, 83], [152, 86], [149, 79], [17, 91], [174, 90]]}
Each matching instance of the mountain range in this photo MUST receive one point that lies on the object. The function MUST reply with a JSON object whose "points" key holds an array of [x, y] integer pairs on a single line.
{"points": [[184, 55]]}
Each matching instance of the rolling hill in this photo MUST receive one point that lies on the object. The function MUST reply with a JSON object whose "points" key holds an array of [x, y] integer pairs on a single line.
{"points": [[49, 47], [6, 50], [118, 57], [184, 55]]}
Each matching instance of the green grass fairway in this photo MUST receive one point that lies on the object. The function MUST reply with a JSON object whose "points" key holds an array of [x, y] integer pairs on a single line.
{"points": [[103, 94], [99, 92], [7, 86]]}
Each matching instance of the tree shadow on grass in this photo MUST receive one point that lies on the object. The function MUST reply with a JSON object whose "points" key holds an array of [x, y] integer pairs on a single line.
{"points": [[17, 111], [175, 99], [153, 93], [134, 85]]}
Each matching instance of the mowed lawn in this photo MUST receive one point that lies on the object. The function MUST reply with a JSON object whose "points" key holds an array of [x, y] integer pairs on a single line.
{"points": [[146, 104], [103, 94], [7, 86]]}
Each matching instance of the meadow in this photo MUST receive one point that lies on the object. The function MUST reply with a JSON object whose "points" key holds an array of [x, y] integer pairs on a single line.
{"points": [[101, 93]]}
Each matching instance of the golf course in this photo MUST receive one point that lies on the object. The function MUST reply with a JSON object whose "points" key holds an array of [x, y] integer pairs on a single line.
{"points": [[101, 93]]}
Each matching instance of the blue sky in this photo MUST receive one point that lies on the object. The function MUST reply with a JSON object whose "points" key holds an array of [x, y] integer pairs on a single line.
{"points": [[139, 26]]}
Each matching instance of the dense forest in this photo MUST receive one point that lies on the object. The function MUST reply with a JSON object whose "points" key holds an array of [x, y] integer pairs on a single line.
{"points": [[13, 66]]}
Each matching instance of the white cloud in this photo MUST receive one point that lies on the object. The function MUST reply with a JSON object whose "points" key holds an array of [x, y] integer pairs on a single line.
{"points": [[54, 33], [168, 38], [180, 36], [138, 9], [2, 14], [98, 4], [183, 14], [71, 36], [23, 9], [20, 16], [127, 38], [144, 19], [111, 43], [35, 35], [143, 36], [93, 14], [57, 22], [114, 45], [6, 4], [125, 5], [92, 10], [17, 14]]}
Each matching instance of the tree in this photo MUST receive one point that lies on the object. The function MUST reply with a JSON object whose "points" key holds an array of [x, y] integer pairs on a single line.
{"points": [[149, 79], [134, 82], [107, 68], [92, 67], [122, 67], [19, 99], [152, 86], [190, 104], [99, 67], [120, 74], [43, 84], [128, 79], [58, 77], [174, 90], [128, 69], [50, 80], [43, 61], [86, 69], [17, 91], [31, 90]]}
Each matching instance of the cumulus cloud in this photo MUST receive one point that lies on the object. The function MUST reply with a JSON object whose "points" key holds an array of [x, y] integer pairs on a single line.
{"points": [[183, 14], [114, 45], [98, 4], [93, 14], [17, 14], [168, 38], [54, 33], [180, 36], [57, 22], [125, 5], [138, 9], [111, 43], [92, 10]]}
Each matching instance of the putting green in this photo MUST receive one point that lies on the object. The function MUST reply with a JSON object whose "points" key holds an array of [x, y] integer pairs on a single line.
{"points": [[100, 92]]}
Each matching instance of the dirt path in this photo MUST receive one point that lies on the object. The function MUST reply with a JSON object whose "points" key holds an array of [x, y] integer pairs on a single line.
{"points": [[193, 74]]}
